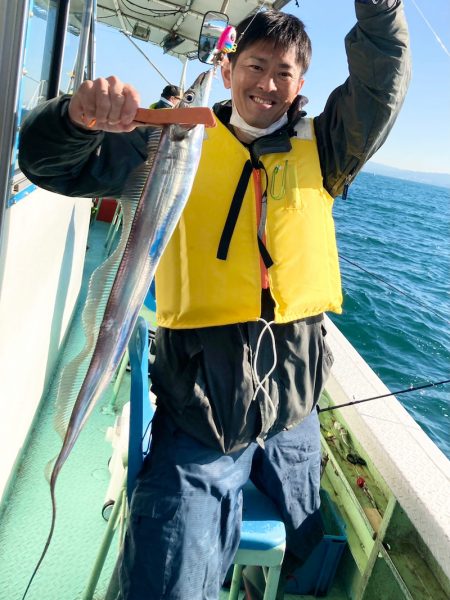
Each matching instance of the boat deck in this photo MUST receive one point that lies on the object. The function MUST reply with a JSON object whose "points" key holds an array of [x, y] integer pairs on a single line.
{"points": [[80, 491]]}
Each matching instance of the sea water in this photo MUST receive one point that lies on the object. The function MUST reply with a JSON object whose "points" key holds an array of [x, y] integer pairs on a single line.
{"points": [[399, 231]]}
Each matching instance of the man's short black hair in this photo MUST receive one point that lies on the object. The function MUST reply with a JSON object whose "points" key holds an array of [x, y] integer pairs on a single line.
{"points": [[281, 29], [171, 90]]}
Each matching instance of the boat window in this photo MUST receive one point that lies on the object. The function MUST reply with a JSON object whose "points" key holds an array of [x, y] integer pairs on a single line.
{"points": [[38, 53], [39, 58], [40, 48], [71, 44]]}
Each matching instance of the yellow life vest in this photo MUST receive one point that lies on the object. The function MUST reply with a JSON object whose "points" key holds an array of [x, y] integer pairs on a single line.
{"points": [[194, 288]]}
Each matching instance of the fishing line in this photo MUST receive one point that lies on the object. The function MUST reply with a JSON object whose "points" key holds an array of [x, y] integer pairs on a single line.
{"points": [[254, 17], [406, 391], [415, 300], [438, 39]]}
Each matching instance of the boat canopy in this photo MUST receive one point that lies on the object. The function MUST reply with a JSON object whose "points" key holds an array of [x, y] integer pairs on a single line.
{"points": [[175, 26]]}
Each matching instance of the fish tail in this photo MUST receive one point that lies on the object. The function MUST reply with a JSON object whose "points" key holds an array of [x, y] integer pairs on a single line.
{"points": [[49, 537]]}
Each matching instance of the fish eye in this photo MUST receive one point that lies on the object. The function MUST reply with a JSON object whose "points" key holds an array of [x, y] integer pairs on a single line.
{"points": [[189, 97]]}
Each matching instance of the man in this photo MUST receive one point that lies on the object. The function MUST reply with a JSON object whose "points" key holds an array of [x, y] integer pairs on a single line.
{"points": [[170, 97], [241, 357]]}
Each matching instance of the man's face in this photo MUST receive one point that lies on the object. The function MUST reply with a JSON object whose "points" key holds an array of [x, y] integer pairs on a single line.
{"points": [[264, 81]]}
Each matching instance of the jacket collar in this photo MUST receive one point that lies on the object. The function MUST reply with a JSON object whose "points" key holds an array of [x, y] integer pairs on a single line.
{"points": [[279, 141]]}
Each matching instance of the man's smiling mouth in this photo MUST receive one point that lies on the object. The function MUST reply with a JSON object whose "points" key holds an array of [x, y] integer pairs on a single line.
{"points": [[262, 101]]}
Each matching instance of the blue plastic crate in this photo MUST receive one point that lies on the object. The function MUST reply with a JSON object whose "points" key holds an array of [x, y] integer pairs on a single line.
{"points": [[316, 576]]}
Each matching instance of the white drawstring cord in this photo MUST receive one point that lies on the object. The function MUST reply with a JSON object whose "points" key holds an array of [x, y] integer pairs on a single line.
{"points": [[261, 382]]}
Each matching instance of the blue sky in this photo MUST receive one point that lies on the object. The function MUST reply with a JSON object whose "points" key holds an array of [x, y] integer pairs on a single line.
{"points": [[420, 139]]}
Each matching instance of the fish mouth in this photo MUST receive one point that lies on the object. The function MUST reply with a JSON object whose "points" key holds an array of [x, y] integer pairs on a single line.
{"points": [[201, 78], [199, 90], [179, 132]]}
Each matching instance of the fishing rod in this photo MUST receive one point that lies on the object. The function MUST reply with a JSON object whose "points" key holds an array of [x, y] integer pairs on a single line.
{"points": [[405, 391]]}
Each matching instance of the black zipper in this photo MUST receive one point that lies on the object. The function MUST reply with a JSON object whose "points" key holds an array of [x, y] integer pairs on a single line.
{"points": [[347, 183]]}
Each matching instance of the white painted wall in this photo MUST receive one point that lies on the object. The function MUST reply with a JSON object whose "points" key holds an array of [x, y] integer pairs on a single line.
{"points": [[41, 264]]}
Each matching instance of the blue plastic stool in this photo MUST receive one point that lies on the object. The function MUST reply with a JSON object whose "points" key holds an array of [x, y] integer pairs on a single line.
{"points": [[141, 410], [263, 542]]}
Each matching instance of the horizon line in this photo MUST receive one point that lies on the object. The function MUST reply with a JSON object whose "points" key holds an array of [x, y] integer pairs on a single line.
{"points": [[374, 162]]}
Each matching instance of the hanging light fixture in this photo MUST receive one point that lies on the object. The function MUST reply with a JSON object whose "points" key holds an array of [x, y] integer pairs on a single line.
{"points": [[141, 31]]}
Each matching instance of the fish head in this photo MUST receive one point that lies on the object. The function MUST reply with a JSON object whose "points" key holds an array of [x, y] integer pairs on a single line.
{"points": [[198, 93]]}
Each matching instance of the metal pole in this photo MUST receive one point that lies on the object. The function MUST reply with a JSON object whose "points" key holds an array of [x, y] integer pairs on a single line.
{"points": [[92, 53], [58, 49], [183, 73], [128, 36], [114, 520], [84, 41], [13, 20]]}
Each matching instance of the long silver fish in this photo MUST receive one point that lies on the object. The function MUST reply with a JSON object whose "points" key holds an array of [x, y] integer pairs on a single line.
{"points": [[152, 203]]}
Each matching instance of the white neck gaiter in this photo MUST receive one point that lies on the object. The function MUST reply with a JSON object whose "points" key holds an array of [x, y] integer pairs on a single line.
{"points": [[254, 132]]}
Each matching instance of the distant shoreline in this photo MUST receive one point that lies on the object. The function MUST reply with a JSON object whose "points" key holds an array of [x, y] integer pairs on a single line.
{"points": [[438, 179]]}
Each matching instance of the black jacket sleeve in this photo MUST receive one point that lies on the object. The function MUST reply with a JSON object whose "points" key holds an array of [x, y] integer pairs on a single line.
{"points": [[60, 157], [360, 113]]}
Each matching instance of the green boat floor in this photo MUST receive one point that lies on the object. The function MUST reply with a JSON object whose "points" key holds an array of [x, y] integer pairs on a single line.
{"points": [[80, 491]]}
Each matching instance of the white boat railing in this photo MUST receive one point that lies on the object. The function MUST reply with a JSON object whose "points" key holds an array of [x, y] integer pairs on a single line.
{"points": [[413, 467]]}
